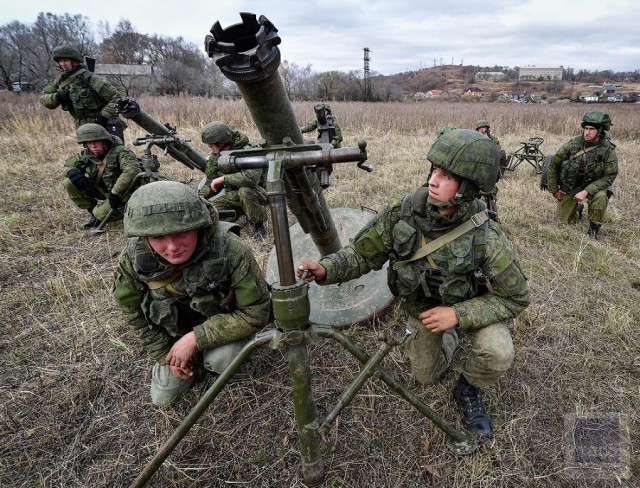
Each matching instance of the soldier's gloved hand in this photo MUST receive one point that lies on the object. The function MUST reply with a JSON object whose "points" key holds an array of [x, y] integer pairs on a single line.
{"points": [[335, 143], [115, 202], [102, 120], [63, 97], [79, 180]]}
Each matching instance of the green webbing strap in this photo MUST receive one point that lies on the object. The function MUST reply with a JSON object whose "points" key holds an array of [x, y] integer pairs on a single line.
{"points": [[69, 80], [584, 151], [475, 221]]}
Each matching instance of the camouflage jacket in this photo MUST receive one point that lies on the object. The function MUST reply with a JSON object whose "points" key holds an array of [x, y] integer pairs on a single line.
{"points": [[91, 95], [576, 167], [452, 275], [336, 140], [221, 296], [112, 172], [494, 139], [250, 178]]}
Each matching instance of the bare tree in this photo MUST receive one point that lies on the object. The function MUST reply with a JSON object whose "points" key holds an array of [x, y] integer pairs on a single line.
{"points": [[125, 45]]}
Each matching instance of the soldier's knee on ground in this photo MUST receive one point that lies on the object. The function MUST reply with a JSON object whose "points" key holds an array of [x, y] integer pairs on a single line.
{"points": [[166, 387], [218, 359]]}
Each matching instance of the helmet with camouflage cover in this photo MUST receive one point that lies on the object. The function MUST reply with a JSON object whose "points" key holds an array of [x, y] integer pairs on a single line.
{"points": [[445, 130], [92, 132], [470, 156], [66, 52], [163, 208], [327, 107], [483, 123], [217, 133], [597, 119]]}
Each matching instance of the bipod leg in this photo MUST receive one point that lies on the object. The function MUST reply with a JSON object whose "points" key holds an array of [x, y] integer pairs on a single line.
{"points": [[100, 229], [370, 368], [460, 442], [197, 411]]}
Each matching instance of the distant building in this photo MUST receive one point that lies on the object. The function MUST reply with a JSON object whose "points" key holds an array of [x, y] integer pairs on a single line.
{"points": [[433, 93], [490, 75], [136, 78], [472, 91], [535, 73]]}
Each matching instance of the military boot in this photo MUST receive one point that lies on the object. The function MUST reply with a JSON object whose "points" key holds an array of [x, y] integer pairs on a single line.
{"points": [[475, 416], [91, 223], [580, 210], [259, 231], [593, 230]]}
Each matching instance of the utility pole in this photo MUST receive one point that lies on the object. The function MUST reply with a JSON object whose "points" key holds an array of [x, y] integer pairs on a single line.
{"points": [[367, 95]]}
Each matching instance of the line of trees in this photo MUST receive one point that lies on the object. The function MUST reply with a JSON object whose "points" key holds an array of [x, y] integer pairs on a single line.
{"points": [[177, 66]]}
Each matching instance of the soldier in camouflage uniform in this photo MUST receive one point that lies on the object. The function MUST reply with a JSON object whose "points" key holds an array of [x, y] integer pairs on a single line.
{"points": [[583, 169], [491, 197], [336, 140], [453, 269], [243, 191], [190, 290], [89, 98], [98, 179], [483, 127]]}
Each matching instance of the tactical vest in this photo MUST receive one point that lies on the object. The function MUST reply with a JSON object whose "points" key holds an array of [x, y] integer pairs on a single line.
{"points": [[186, 296], [107, 171], [584, 164], [447, 276], [86, 103]]}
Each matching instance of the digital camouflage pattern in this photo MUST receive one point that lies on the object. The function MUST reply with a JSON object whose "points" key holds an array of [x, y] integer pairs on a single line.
{"points": [[111, 172], [91, 96], [312, 125], [217, 133], [485, 123], [92, 132], [221, 296], [164, 208], [576, 167], [244, 190], [597, 119], [66, 52], [469, 155]]}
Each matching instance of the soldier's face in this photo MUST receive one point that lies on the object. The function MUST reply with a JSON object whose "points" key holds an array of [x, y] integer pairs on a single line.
{"points": [[589, 133], [217, 147], [175, 248], [443, 186], [67, 64], [482, 130], [96, 147]]}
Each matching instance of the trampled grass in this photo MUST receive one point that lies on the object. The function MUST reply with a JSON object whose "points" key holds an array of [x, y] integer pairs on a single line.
{"points": [[75, 409]]}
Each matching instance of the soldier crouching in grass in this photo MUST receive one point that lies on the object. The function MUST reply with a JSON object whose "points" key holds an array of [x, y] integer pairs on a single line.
{"points": [[98, 179], [453, 268], [190, 290], [584, 169]]}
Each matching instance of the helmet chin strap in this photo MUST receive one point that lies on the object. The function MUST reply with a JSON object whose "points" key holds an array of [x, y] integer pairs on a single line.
{"points": [[456, 200]]}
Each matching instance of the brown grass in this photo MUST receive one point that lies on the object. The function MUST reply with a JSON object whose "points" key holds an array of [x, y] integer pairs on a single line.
{"points": [[75, 409]]}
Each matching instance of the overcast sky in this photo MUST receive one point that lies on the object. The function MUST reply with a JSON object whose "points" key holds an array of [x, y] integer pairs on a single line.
{"points": [[403, 35]]}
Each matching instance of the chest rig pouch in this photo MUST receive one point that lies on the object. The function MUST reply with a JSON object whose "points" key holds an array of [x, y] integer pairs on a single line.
{"points": [[180, 299], [449, 274]]}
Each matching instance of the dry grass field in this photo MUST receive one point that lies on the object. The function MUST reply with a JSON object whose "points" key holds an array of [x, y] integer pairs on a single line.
{"points": [[74, 403]]}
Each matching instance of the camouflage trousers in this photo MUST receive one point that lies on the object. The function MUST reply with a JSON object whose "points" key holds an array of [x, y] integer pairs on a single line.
{"points": [[431, 353], [597, 206], [166, 387], [250, 201], [96, 200]]}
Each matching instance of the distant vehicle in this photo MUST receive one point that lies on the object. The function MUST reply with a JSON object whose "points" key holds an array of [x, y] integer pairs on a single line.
{"points": [[22, 86]]}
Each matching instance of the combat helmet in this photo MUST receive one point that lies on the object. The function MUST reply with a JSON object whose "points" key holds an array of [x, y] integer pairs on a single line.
{"points": [[470, 156], [483, 123], [445, 130], [165, 207], [66, 52], [217, 133], [597, 119], [92, 132]]}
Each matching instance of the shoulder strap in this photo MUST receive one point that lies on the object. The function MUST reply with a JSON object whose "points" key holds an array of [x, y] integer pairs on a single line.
{"points": [[475, 221], [584, 151], [71, 78]]}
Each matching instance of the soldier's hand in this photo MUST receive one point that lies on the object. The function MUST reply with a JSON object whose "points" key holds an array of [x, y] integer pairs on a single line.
{"points": [[183, 374], [439, 319], [558, 195], [581, 195], [115, 202], [102, 120], [79, 180], [182, 352], [217, 184], [63, 97], [311, 271]]}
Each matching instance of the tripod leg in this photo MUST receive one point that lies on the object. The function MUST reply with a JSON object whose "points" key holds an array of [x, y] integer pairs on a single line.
{"points": [[197, 411], [460, 442]]}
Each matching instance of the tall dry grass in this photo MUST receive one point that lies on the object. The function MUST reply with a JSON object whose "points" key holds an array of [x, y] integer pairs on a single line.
{"points": [[75, 410]]}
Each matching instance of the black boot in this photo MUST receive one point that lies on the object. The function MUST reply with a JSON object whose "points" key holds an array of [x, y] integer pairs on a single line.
{"points": [[475, 416], [91, 223], [593, 230], [580, 210], [259, 231]]}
